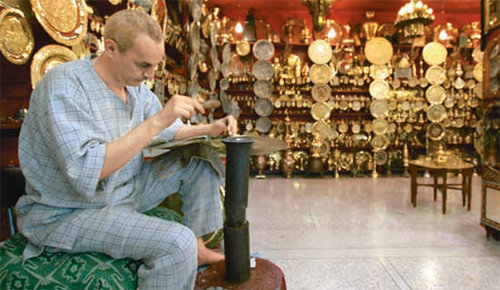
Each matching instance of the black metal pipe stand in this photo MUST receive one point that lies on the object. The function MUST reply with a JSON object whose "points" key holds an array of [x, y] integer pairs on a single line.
{"points": [[236, 234]]}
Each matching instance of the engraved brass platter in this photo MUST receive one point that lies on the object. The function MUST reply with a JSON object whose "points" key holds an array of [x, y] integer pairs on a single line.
{"points": [[378, 50], [263, 70], [320, 73], [17, 42], [263, 49], [48, 57], [435, 131], [436, 113], [379, 89], [381, 157], [435, 94], [435, 75], [320, 111], [64, 20], [263, 89], [380, 126], [434, 53], [379, 71], [242, 48], [319, 51], [379, 108], [321, 92], [478, 72]]}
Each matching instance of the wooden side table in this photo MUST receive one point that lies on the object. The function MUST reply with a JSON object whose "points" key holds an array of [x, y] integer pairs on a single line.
{"points": [[441, 170]]}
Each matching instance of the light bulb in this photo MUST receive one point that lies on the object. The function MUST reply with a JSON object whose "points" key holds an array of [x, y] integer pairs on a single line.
{"points": [[238, 28], [332, 33], [443, 35]]}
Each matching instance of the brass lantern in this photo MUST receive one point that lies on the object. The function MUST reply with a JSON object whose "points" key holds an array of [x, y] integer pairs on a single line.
{"points": [[413, 17]]}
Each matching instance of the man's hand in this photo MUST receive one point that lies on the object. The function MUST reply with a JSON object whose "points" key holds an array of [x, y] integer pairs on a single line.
{"points": [[224, 126], [179, 107]]}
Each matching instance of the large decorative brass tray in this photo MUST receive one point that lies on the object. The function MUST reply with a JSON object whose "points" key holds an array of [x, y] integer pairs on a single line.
{"points": [[64, 20], [17, 42], [48, 57]]}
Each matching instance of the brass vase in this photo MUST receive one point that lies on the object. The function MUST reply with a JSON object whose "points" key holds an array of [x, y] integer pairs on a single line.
{"points": [[259, 163], [288, 163]]}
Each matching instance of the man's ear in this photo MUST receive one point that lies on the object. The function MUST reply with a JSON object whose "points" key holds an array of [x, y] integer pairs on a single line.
{"points": [[110, 47]]}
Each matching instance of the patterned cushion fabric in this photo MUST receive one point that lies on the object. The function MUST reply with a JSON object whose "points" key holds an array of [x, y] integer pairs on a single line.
{"points": [[69, 271]]}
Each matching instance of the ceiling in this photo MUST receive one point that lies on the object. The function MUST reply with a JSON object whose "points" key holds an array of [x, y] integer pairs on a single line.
{"points": [[457, 12]]}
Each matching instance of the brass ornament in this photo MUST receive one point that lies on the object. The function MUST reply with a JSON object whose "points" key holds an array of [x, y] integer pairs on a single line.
{"points": [[379, 108], [64, 20], [378, 50], [320, 111], [17, 41], [380, 126], [48, 57], [478, 72], [435, 75], [436, 113], [380, 142], [379, 89], [242, 48]]}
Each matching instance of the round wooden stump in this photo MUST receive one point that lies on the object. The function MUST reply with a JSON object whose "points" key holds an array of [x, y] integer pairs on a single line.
{"points": [[265, 275]]}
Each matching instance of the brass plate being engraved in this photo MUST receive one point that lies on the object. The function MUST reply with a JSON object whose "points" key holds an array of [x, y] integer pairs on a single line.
{"points": [[378, 50], [320, 51], [435, 75], [379, 108], [263, 89], [64, 20], [48, 57], [263, 70], [434, 53], [436, 113], [17, 42], [380, 126], [435, 94], [320, 111], [321, 92], [379, 89], [320, 73], [263, 50]]}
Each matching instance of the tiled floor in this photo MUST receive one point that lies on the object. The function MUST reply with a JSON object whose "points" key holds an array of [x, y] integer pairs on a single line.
{"points": [[363, 233]]}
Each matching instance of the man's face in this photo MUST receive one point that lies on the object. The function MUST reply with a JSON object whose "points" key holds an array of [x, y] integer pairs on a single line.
{"points": [[138, 63]]}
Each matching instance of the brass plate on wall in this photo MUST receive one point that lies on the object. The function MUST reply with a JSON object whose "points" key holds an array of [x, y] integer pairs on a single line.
{"points": [[321, 92], [263, 50], [378, 50], [320, 111], [48, 57], [320, 73], [436, 113], [434, 53], [17, 41], [319, 51], [64, 20]]}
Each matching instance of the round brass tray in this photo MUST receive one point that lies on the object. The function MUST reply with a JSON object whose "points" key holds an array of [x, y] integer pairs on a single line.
{"points": [[478, 72], [263, 70], [64, 20], [48, 57], [379, 108], [378, 50], [435, 94], [320, 111], [379, 71], [242, 48], [381, 157], [379, 89], [263, 107], [380, 126], [263, 49], [263, 89], [17, 41], [263, 124], [380, 142], [435, 75], [319, 51], [321, 92], [320, 73], [436, 113], [435, 131], [434, 53], [322, 128]]}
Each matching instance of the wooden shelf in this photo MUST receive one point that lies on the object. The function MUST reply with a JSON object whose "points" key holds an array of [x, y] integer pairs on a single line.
{"points": [[10, 125]]}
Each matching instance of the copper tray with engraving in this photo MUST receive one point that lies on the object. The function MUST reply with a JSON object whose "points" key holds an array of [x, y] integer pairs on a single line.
{"points": [[48, 57], [17, 41]]}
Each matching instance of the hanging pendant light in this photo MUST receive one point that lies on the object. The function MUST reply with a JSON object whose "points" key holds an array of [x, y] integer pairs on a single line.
{"points": [[413, 17]]}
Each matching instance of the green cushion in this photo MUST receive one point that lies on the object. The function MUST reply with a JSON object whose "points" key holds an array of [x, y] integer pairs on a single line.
{"points": [[69, 271]]}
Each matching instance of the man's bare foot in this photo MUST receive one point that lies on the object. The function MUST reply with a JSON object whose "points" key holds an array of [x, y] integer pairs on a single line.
{"points": [[207, 256]]}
